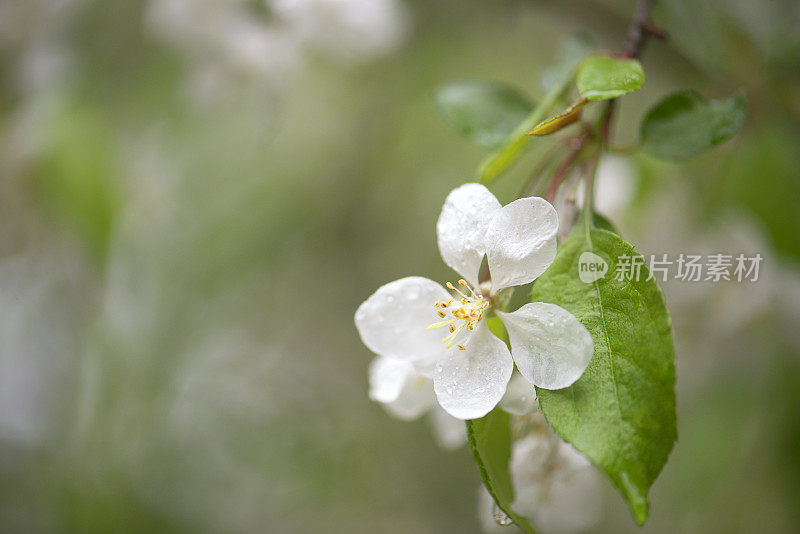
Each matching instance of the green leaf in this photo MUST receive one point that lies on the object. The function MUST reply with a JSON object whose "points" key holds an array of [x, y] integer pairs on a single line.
{"points": [[555, 83], [498, 162], [604, 77], [684, 124], [562, 120], [621, 412], [490, 441], [483, 111], [604, 223], [572, 50]]}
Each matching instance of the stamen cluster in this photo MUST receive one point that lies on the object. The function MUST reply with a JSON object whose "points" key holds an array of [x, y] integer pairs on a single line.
{"points": [[469, 309]]}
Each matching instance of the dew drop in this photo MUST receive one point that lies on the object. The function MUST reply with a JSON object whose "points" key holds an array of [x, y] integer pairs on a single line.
{"points": [[500, 517]]}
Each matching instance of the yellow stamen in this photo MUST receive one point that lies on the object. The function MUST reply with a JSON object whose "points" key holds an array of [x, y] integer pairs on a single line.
{"points": [[440, 323], [467, 310]]}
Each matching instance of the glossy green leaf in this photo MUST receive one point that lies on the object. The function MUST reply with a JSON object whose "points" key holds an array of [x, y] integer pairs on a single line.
{"points": [[483, 111], [684, 124], [621, 412], [603, 77], [490, 441]]}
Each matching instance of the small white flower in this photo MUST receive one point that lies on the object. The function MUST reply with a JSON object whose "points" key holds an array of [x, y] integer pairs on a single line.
{"points": [[554, 484], [408, 394], [401, 320]]}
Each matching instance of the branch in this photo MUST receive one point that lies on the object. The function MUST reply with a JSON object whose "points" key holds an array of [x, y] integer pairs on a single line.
{"points": [[576, 146], [641, 28]]}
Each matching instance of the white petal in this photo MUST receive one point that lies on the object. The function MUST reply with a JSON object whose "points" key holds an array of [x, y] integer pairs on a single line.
{"points": [[521, 242], [387, 377], [560, 493], [569, 505], [572, 460], [393, 321], [532, 456], [550, 346], [427, 366], [469, 383], [415, 398], [405, 393], [520, 397], [450, 433], [462, 226]]}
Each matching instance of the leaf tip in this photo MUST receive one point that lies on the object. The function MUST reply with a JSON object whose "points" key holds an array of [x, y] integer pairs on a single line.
{"points": [[640, 511], [636, 497]]}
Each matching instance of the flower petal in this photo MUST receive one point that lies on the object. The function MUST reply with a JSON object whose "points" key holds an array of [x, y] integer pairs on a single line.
{"points": [[471, 382], [520, 397], [393, 321], [405, 393], [567, 505], [387, 377], [521, 242], [450, 433], [550, 346], [415, 399], [461, 227], [555, 485]]}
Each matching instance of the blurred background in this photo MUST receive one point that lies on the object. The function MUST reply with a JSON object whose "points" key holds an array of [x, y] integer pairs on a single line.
{"points": [[195, 196]]}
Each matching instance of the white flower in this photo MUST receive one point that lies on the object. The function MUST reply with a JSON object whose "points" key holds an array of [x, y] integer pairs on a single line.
{"points": [[470, 366], [554, 484], [408, 394]]}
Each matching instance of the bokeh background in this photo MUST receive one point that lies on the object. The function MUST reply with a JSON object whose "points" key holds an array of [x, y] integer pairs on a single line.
{"points": [[196, 195]]}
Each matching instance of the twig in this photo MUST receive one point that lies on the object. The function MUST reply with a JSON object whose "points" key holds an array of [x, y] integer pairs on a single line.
{"points": [[576, 145], [641, 28]]}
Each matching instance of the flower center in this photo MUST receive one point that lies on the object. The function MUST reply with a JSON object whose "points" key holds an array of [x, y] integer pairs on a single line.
{"points": [[458, 314]]}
